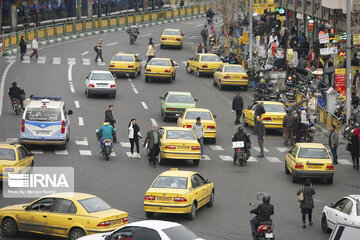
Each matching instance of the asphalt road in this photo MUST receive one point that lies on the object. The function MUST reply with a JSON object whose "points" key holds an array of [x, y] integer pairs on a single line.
{"points": [[122, 181]]}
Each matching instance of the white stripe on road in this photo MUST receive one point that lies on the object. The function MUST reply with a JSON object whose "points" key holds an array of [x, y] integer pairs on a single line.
{"points": [[156, 45], [71, 61], [216, 147], [153, 121], [82, 143], [101, 63], [206, 157], [56, 60], [84, 53], [61, 152], [85, 152], [199, 25], [135, 91], [129, 154], [26, 59], [344, 162], [3, 78], [81, 121], [132, 84], [252, 159], [144, 105], [273, 159], [226, 158], [72, 89], [282, 149], [86, 61], [77, 104], [113, 154], [258, 149], [110, 44], [125, 144], [146, 35], [11, 140], [70, 72], [38, 152], [41, 60]]}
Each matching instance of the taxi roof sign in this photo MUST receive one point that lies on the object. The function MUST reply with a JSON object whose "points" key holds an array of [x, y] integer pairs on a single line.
{"points": [[174, 169]]}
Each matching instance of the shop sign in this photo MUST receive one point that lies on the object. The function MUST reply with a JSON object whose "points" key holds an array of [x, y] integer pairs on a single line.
{"points": [[323, 38], [340, 80], [356, 39], [299, 15], [328, 51]]}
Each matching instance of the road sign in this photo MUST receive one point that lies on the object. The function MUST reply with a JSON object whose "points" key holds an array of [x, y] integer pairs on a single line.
{"points": [[323, 38]]}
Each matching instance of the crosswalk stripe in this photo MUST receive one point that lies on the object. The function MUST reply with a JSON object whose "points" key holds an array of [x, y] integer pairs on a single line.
{"points": [[206, 157], [185, 63], [282, 149], [273, 159], [38, 152], [226, 158], [258, 149], [125, 144], [344, 162], [113, 154], [82, 143], [72, 61], [101, 63], [26, 59], [61, 152], [216, 147], [128, 154], [11, 140], [85, 152], [41, 60], [56, 60], [86, 61], [11, 58], [252, 159]]}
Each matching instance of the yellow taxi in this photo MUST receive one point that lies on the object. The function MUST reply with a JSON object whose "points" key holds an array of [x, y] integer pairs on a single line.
{"points": [[123, 64], [14, 158], [160, 68], [272, 118], [178, 143], [171, 38], [203, 63], [180, 192], [231, 75], [188, 118], [309, 160], [71, 215]]}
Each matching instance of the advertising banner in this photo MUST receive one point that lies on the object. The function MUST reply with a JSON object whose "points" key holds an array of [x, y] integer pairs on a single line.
{"points": [[340, 80]]}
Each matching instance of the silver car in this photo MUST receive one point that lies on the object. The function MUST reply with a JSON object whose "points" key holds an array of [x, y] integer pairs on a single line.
{"points": [[101, 83]]}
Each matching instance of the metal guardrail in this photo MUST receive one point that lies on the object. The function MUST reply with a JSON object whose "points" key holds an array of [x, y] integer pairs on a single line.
{"points": [[11, 40], [326, 119]]}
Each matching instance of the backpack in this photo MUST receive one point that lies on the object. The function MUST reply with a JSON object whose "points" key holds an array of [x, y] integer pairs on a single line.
{"points": [[95, 49]]}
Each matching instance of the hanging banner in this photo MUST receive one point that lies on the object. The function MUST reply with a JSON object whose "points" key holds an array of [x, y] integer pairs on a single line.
{"points": [[311, 27], [340, 80], [323, 38], [356, 39], [328, 51], [290, 55], [245, 38]]}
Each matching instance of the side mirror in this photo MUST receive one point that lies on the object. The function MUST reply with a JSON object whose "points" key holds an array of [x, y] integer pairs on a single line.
{"points": [[86, 77], [190, 58], [331, 205], [207, 181], [175, 64], [196, 99], [248, 107], [27, 207], [214, 116], [70, 112], [31, 154]]}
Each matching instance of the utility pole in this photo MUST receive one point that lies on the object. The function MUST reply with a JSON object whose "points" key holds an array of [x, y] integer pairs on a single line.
{"points": [[348, 60], [250, 37]]}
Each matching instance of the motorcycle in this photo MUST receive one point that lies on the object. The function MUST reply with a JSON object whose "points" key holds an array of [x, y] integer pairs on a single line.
{"points": [[241, 155], [209, 20], [132, 38], [308, 132], [265, 229], [107, 145], [16, 105], [348, 131]]}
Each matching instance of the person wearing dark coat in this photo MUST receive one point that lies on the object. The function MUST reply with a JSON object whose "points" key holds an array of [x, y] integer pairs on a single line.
{"points": [[23, 47], [260, 132], [110, 119], [260, 110], [237, 106], [355, 148], [298, 127], [307, 204], [288, 125], [152, 141], [134, 135]]}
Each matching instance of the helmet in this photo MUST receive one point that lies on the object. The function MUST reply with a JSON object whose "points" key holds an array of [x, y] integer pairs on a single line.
{"points": [[288, 111], [262, 81], [266, 198]]}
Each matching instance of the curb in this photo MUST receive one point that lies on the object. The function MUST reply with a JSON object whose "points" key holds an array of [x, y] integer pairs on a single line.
{"points": [[98, 32]]}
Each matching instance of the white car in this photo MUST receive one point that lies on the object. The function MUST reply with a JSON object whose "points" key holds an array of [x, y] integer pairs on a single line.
{"points": [[100, 82], [147, 230], [345, 211]]}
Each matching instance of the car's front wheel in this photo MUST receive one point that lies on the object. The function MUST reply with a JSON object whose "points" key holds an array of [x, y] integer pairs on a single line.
{"points": [[324, 224], [149, 215], [76, 233], [330, 180], [9, 227]]}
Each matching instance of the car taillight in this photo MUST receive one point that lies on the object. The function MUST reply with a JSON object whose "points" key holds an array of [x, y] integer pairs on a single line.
{"points": [[331, 167], [267, 119], [167, 70], [104, 224], [226, 77], [195, 148], [62, 127], [163, 38], [148, 70], [170, 147], [178, 39], [188, 126], [112, 85], [130, 66], [299, 166], [112, 65], [125, 219], [150, 198], [9, 170], [210, 127], [91, 85], [204, 66], [170, 109], [245, 78], [179, 199], [23, 125]]}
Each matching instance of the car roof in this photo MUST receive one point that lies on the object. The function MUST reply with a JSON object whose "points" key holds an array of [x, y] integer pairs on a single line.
{"points": [[311, 145], [42, 102], [171, 29], [207, 54], [71, 195], [179, 93], [124, 54], [161, 59], [5, 145], [176, 173], [154, 224], [355, 197], [233, 65], [100, 71], [271, 102], [198, 110], [176, 128]]}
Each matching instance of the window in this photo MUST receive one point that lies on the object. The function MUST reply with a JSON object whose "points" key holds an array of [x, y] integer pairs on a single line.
{"points": [[7, 154], [21, 155], [43, 114], [179, 233], [220, 68], [210, 58], [102, 76], [294, 151], [358, 209], [171, 32], [137, 59], [123, 59], [146, 234], [159, 62], [274, 108], [180, 99], [341, 204], [170, 182], [64, 206], [197, 58], [194, 182], [316, 153], [180, 134], [194, 115], [237, 69], [348, 207], [200, 179], [24, 152], [126, 233], [44, 204], [94, 204]]}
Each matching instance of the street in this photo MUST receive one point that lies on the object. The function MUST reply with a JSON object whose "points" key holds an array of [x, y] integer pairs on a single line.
{"points": [[122, 181]]}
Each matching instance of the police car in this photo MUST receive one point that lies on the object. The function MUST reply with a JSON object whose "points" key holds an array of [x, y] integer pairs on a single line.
{"points": [[46, 122]]}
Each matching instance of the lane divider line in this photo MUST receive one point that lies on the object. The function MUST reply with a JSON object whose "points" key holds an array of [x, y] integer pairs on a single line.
{"points": [[81, 121], [84, 53], [144, 105], [70, 72], [3, 78], [110, 44], [77, 105], [135, 91]]}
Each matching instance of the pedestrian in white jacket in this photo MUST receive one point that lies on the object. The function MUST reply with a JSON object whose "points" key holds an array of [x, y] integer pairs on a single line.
{"points": [[198, 129], [35, 47]]}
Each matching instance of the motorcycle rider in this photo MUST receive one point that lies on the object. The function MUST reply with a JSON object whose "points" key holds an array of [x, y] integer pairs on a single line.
{"points": [[355, 101], [106, 132], [263, 213], [16, 92], [133, 30], [299, 126], [241, 135], [262, 86], [210, 14]]}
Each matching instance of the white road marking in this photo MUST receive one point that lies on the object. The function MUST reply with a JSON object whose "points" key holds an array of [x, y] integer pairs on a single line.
{"points": [[11, 140], [3, 78], [129, 154], [72, 89], [26, 59], [135, 91], [344, 162], [156, 45], [130, 80], [216, 147], [101, 63], [71, 61], [41, 60], [282, 149], [258, 149], [85, 152], [226, 158], [110, 44], [125, 144], [206, 157], [273, 159], [146, 35], [113, 154], [199, 25], [81, 121], [11, 58], [132, 84], [144, 105], [86, 61], [153, 121], [77, 105], [190, 43], [84, 53], [56, 60], [252, 159], [176, 64], [38, 152], [185, 63], [70, 72], [61, 152], [82, 143]]}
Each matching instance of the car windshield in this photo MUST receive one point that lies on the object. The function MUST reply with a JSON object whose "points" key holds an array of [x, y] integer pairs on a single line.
{"points": [[180, 134], [159, 62], [358, 209], [180, 99], [274, 108], [210, 58], [123, 59], [237, 69], [94, 204], [170, 182], [172, 32], [202, 115], [102, 76], [7, 154], [179, 233], [318, 153], [43, 114]]}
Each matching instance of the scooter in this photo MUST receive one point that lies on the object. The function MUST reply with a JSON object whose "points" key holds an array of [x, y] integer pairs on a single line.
{"points": [[107, 145], [265, 229], [16, 105], [241, 155], [132, 38], [308, 133]]}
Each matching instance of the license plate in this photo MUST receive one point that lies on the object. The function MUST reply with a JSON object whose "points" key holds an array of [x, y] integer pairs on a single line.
{"points": [[182, 147], [164, 199], [101, 86], [42, 132], [269, 235], [107, 144], [117, 221], [314, 166]]}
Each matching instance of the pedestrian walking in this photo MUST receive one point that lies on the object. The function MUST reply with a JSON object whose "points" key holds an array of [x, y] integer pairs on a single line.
{"points": [[260, 131], [333, 142], [355, 148], [204, 34], [307, 203], [110, 118], [34, 46], [150, 53], [288, 125], [203, 48], [260, 110], [198, 129], [99, 46], [181, 3], [237, 106], [23, 47], [199, 48], [298, 127], [152, 140], [134, 135]]}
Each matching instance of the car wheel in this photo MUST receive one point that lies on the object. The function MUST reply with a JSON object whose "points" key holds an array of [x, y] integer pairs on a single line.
{"points": [[68, 137], [294, 179], [214, 83], [161, 159], [62, 147], [330, 180], [146, 79], [9, 228], [198, 74], [88, 94], [150, 215], [212, 199], [213, 141], [196, 162], [188, 70], [174, 77], [324, 224], [286, 169], [76, 233], [133, 75], [192, 214], [170, 80], [161, 46], [245, 88], [244, 121], [139, 72], [221, 87]]}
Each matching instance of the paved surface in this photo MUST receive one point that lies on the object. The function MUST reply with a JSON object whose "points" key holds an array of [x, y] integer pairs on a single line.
{"points": [[122, 181]]}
